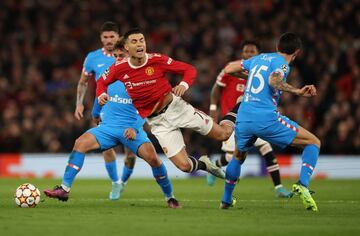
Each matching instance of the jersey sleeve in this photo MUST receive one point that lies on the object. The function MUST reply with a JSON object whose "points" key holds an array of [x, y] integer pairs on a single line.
{"points": [[87, 66], [108, 77], [221, 79], [178, 67], [246, 64]]}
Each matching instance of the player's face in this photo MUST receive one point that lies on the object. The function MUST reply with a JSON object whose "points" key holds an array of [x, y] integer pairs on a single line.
{"points": [[108, 39], [136, 45], [118, 54], [249, 50]]}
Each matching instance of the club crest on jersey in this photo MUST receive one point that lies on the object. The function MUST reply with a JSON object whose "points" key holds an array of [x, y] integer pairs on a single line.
{"points": [[149, 70], [284, 68]]}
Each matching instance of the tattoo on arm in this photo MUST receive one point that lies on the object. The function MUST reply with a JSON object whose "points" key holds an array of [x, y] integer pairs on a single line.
{"points": [[81, 89], [276, 82]]}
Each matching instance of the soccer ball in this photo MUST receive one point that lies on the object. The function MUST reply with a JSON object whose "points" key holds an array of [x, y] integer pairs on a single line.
{"points": [[27, 195]]}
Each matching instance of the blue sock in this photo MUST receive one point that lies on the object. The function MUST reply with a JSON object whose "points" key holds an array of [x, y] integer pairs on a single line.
{"points": [[112, 170], [160, 174], [232, 174], [75, 163], [126, 174], [309, 158]]}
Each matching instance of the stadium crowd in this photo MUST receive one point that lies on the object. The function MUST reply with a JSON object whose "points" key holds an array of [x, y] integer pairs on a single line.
{"points": [[43, 44]]}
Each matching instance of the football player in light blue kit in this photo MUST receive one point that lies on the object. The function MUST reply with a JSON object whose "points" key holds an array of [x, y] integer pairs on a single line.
{"points": [[120, 124], [95, 65], [258, 116]]}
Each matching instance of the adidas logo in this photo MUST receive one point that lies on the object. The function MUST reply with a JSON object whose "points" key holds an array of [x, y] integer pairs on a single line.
{"points": [[126, 76]]}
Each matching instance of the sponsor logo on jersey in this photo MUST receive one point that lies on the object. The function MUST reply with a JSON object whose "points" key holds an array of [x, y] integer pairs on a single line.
{"points": [[101, 65], [149, 70], [121, 100]]}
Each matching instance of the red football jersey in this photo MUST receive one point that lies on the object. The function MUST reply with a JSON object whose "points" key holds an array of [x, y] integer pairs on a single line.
{"points": [[233, 89], [146, 84]]}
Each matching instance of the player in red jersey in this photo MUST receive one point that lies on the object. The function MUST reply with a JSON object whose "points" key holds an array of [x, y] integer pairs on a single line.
{"points": [[144, 77], [229, 90]]}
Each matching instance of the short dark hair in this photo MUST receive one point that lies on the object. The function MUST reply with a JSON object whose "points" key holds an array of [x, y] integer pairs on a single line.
{"points": [[250, 42], [120, 43], [132, 31], [109, 26], [289, 43]]}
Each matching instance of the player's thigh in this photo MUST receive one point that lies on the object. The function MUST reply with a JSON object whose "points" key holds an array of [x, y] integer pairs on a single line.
{"points": [[280, 132], [183, 115], [104, 137], [86, 142], [133, 145], [305, 137]]}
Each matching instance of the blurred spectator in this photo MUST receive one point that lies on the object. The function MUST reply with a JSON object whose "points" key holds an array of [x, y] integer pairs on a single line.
{"points": [[42, 47]]}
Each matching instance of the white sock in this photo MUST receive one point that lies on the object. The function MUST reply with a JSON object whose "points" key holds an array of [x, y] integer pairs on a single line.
{"points": [[66, 188]]}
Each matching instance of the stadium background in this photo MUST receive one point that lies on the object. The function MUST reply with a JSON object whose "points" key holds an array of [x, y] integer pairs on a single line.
{"points": [[42, 47], [43, 44]]}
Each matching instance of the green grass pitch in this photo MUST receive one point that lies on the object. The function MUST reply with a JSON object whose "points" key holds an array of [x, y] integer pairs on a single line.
{"points": [[142, 210]]}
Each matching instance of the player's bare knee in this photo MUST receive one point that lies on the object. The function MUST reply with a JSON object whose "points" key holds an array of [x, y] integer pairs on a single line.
{"points": [[80, 145], [317, 141]]}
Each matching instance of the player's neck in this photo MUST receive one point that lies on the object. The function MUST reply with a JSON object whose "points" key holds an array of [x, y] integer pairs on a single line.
{"points": [[286, 56], [136, 61]]}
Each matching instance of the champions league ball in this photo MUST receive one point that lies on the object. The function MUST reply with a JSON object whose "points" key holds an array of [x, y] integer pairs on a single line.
{"points": [[27, 195]]}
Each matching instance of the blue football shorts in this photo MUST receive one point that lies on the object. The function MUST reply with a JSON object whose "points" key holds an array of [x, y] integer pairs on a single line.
{"points": [[280, 132], [109, 137]]}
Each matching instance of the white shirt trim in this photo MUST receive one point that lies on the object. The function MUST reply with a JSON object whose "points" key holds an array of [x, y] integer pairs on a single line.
{"points": [[184, 84]]}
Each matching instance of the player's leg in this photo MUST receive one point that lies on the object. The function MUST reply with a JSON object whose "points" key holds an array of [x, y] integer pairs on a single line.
{"points": [[227, 149], [311, 148], [244, 141], [144, 149], [272, 167], [111, 168], [225, 129], [284, 132], [119, 186], [166, 129], [85, 143]]}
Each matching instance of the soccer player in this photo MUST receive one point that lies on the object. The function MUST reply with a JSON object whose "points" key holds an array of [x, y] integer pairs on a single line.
{"points": [[144, 77], [230, 90], [258, 116], [96, 62], [119, 124]]}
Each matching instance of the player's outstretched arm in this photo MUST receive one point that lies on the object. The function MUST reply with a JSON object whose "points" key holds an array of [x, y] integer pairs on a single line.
{"points": [[276, 81], [80, 95], [234, 68]]}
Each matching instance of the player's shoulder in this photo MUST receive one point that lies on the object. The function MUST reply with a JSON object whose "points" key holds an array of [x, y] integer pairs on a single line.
{"points": [[94, 53], [158, 57]]}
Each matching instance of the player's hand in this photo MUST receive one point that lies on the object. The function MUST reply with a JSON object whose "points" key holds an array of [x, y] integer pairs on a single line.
{"points": [[130, 134], [79, 111], [308, 91], [179, 90], [103, 99]]}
